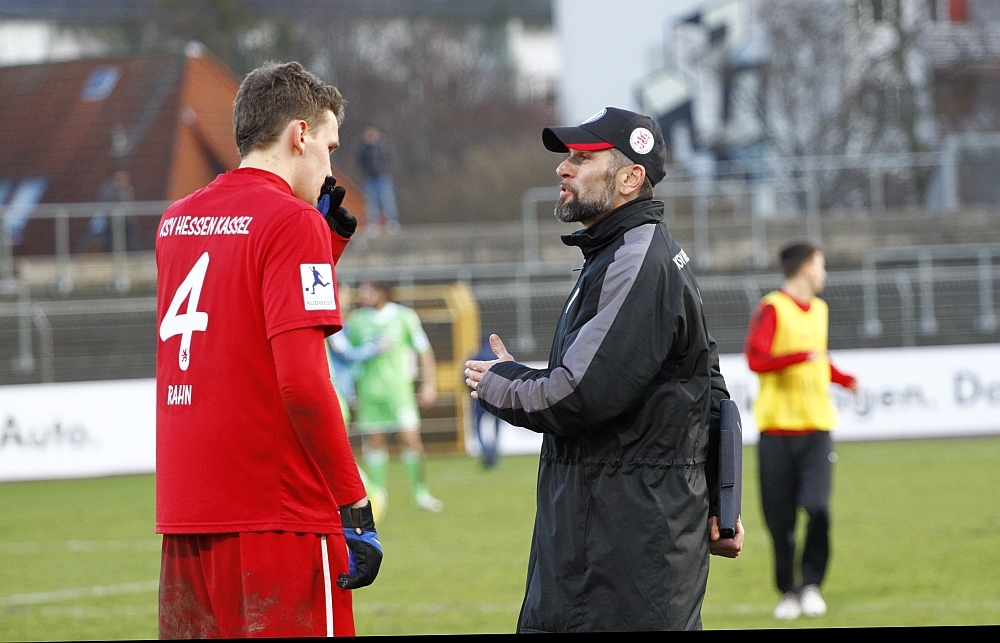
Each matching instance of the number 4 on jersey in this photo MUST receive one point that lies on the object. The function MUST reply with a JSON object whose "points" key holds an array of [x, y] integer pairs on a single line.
{"points": [[192, 320]]}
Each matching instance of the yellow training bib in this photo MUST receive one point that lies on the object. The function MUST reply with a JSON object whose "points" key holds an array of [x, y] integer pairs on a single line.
{"points": [[797, 397]]}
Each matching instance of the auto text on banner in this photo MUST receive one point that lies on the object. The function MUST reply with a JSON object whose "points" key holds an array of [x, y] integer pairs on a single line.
{"points": [[76, 430], [930, 391]]}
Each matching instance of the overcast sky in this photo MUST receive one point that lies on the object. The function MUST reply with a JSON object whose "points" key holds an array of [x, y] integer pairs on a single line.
{"points": [[608, 45]]}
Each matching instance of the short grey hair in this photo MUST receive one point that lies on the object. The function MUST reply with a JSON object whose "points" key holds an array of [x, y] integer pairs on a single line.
{"points": [[620, 161]]}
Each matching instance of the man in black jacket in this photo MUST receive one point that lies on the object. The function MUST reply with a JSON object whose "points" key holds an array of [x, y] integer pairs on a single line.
{"points": [[625, 481]]}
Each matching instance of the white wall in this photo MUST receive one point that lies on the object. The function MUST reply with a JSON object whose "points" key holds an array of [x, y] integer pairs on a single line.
{"points": [[606, 46]]}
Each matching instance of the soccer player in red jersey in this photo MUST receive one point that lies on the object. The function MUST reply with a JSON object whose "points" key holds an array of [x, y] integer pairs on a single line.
{"points": [[256, 485], [787, 347]]}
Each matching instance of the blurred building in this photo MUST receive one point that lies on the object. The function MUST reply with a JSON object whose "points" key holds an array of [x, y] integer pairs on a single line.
{"points": [[901, 75], [607, 47], [963, 49], [69, 128]]}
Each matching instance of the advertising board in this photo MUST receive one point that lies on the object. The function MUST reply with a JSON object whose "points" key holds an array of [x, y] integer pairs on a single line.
{"points": [[83, 429], [77, 429], [920, 392]]}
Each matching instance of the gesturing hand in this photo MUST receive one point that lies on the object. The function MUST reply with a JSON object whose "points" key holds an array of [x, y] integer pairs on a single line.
{"points": [[331, 198], [475, 369], [365, 549]]}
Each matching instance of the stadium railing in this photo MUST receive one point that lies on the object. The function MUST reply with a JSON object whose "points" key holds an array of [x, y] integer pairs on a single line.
{"points": [[114, 337]]}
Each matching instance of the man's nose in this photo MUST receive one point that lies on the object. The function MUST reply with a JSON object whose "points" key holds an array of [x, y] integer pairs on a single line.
{"points": [[564, 170]]}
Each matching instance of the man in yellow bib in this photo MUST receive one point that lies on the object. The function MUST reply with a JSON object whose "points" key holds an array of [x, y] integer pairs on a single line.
{"points": [[786, 346]]}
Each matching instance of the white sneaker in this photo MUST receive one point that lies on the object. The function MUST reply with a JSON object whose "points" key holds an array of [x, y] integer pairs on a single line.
{"points": [[812, 602], [426, 501], [788, 609]]}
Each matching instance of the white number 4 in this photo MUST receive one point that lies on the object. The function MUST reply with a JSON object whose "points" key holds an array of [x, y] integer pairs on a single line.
{"points": [[192, 320]]}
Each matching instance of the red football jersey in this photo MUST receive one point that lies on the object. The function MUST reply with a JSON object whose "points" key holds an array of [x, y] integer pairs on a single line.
{"points": [[238, 262]]}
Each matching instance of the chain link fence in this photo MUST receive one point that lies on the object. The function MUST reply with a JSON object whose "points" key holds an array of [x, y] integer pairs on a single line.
{"points": [[115, 338]]}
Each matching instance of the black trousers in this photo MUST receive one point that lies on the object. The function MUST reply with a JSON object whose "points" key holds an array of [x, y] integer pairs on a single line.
{"points": [[796, 471]]}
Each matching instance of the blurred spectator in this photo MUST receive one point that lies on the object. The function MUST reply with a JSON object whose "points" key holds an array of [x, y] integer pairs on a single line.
{"points": [[484, 421], [375, 155]]}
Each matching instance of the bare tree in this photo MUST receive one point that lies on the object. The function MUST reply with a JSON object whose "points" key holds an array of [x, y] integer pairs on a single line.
{"points": [[443, 89], [848, 78]]}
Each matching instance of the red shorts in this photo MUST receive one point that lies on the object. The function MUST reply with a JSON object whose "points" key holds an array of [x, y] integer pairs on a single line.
{"points": [[266, 584]]}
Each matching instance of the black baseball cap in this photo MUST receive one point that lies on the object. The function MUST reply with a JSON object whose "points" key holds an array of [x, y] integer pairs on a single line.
{"points": [[635, 135]]}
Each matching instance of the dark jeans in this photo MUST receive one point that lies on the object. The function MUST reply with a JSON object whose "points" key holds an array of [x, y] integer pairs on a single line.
{"points": [[380, 202], [796, 471]]}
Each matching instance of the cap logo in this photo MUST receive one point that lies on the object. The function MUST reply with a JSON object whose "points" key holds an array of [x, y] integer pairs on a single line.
{"points": [[641, 140], [596, 117]]}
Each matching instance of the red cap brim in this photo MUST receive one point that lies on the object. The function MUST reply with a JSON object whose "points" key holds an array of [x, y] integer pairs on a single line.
{"points": [[561, 139], [589, 147]]}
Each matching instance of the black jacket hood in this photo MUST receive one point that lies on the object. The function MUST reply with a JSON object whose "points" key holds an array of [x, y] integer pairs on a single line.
{"points": [[614, 224]]}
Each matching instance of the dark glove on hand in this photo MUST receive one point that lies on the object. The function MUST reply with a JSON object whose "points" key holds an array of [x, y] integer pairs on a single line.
{"points": [[331, 196], [362, 541]]}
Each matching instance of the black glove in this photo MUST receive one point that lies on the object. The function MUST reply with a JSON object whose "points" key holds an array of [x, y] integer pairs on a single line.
{"points": [[331, 196], [362, 541]]}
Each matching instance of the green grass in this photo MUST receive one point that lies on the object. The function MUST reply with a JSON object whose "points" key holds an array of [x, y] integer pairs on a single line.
{"points": [[915, 543]]}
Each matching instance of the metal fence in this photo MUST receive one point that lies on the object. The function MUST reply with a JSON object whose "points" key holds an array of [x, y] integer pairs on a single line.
{"points": [[743, 199], [901, 297], [733, 199], [67, 229], [110, 338]]}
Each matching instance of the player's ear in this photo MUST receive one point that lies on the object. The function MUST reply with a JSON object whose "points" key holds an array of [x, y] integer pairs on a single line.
{"points": [[633, 179], [297, 135]]}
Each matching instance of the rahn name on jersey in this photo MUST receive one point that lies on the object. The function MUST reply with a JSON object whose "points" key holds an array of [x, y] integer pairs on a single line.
{"points": [[178, 394]]}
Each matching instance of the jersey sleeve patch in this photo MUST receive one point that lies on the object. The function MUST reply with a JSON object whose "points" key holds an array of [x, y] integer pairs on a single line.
{"points": [[317, 286]]}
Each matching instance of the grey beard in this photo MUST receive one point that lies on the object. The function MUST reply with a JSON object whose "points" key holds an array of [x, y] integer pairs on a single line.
{"points": [[576, 210]]}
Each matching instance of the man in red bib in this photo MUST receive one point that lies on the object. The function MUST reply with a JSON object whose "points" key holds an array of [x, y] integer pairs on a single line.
{"points": [[256, 485], [786, 346]]}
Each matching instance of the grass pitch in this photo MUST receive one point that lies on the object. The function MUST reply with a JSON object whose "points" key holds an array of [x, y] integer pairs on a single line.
{"points": [[915, 529]]}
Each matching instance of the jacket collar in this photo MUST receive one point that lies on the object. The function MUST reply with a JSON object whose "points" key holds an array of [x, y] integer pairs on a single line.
{"points": [[614, 224]]}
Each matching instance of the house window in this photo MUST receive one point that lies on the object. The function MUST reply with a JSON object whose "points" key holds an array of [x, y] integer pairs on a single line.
{"points": [[101, 83], [22, 203]]}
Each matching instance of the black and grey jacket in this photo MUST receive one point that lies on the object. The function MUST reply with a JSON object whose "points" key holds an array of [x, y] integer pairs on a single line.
{"points": [[621, 537]]}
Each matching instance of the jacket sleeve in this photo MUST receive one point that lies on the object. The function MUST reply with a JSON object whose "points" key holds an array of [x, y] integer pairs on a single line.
{"points": [[719, 392], [611, 358]]}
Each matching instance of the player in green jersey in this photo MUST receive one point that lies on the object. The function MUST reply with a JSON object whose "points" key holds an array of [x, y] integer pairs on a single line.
{"points": [[386, 398]]}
